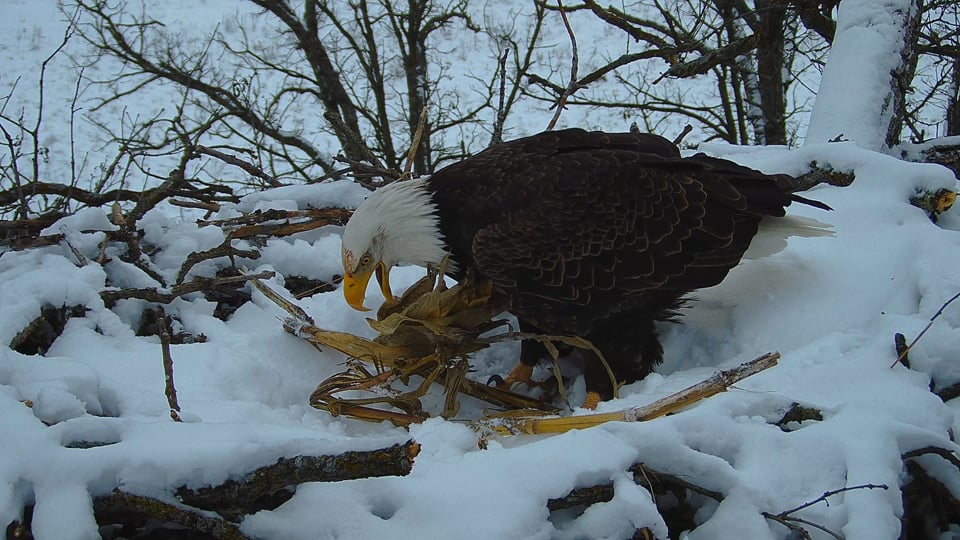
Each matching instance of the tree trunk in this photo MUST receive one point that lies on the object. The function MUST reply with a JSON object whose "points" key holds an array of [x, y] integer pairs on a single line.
{"points": [[415, 65], [332, 93], [903, 74], [953, 105], [861, 88], [770, 70]]}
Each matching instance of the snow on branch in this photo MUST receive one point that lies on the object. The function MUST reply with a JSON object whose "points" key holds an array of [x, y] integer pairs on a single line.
{"points": [[859, 90]]}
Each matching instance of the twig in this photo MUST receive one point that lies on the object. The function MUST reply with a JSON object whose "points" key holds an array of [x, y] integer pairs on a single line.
{"points": [[822, 175], [169, 388], [353, 138], [788, 521], [710, 59], [81, 258], [679, 138], [250, 168], [572, 86], [799, 413], [939, 312], [225, 249], [415, 143], [201, 205], [582, 496], [327, 216], [653, 480], [936, 450], [362, 172], [74, 173], [196, 285], [296, 311], [831, 493], [497, 137]]}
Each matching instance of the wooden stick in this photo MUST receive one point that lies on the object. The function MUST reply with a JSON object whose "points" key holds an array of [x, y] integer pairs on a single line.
{"points": [[904, 351], [124, 507], [719, 382], [169, 388], [237, 497]]}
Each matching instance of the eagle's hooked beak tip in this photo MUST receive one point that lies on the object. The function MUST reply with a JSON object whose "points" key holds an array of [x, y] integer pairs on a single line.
{"points": [[355, 290], [355, 286]]}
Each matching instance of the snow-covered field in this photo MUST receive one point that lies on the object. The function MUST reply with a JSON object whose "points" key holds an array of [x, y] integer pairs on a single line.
{"points": [[830, 306]]}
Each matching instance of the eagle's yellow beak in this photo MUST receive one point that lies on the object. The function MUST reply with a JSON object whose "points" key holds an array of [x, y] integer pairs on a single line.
{"points": [[355, 285]]}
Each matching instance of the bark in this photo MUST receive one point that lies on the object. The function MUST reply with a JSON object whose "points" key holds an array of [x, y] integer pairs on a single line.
{"points": [[334, 96], [415, 65], [903, 74], [770, 60], [953, 104]]}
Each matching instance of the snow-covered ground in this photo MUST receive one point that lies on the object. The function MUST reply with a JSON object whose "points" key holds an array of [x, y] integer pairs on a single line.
{"points": [[831, 306]]}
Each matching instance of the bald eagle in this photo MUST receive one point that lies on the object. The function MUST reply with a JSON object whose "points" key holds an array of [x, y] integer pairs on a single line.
{"points": [[589, 234]]}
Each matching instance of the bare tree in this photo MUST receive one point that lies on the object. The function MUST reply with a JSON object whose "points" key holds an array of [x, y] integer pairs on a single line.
{"points": [[331, 57], [931, 106], [26, 159], [742, 49]]}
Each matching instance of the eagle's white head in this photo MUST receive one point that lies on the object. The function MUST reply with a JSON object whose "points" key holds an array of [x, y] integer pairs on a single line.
{"points": [[396, 224]]}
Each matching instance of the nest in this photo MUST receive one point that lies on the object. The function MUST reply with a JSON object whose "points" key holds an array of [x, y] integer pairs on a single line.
{"points": [[425, 338]]}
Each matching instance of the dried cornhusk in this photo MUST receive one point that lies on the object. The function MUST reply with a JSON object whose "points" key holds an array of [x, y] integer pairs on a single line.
{"points": [[429, 332]]}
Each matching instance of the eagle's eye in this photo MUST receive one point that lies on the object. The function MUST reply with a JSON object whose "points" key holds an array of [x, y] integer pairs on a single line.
{"points": [[365, 260]]}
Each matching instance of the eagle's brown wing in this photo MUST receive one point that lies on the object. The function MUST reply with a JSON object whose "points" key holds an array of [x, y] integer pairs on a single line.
{"points": [[575, 226]]}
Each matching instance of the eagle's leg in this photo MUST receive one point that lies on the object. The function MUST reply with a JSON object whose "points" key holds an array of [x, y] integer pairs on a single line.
{"points": [[630, 359], [531, 352]]}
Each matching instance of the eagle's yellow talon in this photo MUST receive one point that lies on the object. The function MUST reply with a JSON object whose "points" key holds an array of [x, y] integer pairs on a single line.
{"points": [[591, 401], [520, 374]]}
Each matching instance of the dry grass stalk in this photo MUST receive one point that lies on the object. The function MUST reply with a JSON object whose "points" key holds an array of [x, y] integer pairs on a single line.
{"points": [[719, 382]]}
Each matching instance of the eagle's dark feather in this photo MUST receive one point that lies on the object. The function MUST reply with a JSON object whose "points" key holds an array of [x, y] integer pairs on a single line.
{"points": [[599, 235]]}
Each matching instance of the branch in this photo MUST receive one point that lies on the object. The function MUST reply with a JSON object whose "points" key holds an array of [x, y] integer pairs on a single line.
{"points": [[906, 350], [127, 508], [110, 36], [250, 168], [936, 450], [198, 284], [788, 521], [716, 384], [497, 136], [169, 388], [225, 249], [572, 86], [711, 59], [235, 498]]}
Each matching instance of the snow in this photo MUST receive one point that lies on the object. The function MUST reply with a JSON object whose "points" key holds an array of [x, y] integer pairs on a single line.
{"points": [[831, 306], [855, 94]]}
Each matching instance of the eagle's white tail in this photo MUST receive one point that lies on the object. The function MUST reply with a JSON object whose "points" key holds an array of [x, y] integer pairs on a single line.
{"points": [[772, 236]]}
